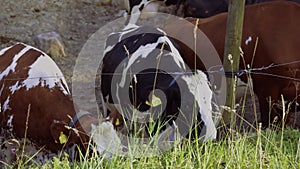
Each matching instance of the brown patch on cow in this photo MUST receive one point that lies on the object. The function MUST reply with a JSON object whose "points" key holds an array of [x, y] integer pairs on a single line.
{"points": [[22, 68], [117, 120], [7, 57], [46, 105], [276, 25], [27, 60]]}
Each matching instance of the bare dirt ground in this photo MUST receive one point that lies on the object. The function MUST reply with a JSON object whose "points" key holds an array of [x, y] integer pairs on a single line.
{"points": [[75, 21]]}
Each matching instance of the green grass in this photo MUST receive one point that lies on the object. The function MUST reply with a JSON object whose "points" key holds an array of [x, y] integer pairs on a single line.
{"points": [[263, 149]]}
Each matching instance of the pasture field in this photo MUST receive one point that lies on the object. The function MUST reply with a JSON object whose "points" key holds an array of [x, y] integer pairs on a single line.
{"points": [[278, 147], [261, 149]]}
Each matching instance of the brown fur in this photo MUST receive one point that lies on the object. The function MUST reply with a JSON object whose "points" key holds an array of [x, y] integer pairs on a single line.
{"points": [[49, 109], [276, 25]]}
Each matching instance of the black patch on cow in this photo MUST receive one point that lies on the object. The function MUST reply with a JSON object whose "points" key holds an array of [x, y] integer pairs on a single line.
{"points": [[204, 8], [116, 60], [112, 59], [141, 7], [133, 3], [173, 2]]}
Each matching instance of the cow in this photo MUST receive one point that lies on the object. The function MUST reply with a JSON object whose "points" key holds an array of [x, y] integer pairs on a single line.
{"points": [[36, 104], [191, 8], [143, 75], [270, 46]]}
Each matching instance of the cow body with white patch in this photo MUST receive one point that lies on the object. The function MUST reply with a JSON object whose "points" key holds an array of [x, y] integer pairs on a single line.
{"points": [[270, 45], [142, 64], [36, 102]]}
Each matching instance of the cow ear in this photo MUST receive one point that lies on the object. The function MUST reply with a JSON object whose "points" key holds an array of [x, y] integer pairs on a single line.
{"points": [[58, 131]]}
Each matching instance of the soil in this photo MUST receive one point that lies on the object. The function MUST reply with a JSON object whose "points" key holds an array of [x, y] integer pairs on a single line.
{"points": [[75, 21]]}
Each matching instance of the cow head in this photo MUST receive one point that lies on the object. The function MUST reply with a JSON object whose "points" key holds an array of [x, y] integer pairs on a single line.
{"points": [[85, 133]]}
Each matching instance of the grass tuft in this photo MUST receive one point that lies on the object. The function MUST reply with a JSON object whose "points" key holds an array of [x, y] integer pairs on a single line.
{"points": [[263, 149]]}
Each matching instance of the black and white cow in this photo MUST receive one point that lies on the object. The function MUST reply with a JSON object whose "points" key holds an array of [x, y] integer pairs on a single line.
{"points": [[143, 75]]}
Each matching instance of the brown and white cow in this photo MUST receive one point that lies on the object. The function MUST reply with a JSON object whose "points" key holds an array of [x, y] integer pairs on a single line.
{"points": [[275, 28], [36, 104]]}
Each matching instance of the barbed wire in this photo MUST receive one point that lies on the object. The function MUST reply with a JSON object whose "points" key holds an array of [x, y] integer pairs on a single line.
{"points": [[39, 77], [219, 70]]}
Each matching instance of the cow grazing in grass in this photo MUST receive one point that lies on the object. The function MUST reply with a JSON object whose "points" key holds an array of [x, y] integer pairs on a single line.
{"points": [[144, 75], [275, 28], [191, 8], [36, 104]]}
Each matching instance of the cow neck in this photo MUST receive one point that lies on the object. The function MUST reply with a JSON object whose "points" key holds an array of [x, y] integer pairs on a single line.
{"points": [[77, 117], [82, 128]]}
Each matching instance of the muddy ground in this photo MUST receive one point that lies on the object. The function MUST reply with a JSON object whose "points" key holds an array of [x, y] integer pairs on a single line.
{"points": [[75, 21]]}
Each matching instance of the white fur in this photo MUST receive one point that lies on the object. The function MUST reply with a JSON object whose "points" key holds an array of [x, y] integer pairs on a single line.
{"points": [[9, 121], [198, 85], [106, 139], [127, 29], [15, 87], [150, 10], [13, 65], [6, 104], [144, 51], [248, 40], [43, 71]]}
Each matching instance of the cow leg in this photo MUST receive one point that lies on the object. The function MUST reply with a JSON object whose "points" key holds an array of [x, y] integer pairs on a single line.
{"points": [[267, 97]]}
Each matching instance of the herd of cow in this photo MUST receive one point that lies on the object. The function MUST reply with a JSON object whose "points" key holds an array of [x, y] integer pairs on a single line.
{"points": [[146, 70]]}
